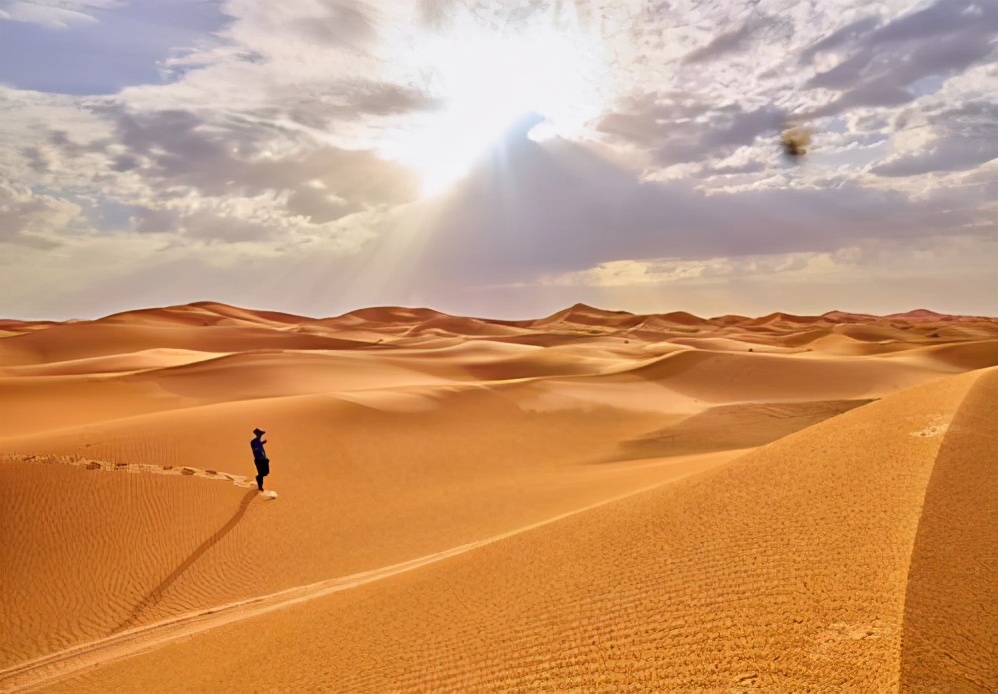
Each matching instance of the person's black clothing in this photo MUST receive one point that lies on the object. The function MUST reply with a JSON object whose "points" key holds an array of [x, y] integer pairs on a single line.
{"points": [[257, 446], [262, 470], [260, 460]]}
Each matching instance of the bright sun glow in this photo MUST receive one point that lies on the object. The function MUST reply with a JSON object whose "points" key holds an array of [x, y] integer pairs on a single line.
{"points": [[486, 81]]}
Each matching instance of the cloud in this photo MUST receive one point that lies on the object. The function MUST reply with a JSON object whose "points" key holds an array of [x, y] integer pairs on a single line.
{"points": [[837, 38], [197, 140], [727, 42], [535, 209], [179, 150], [672, 137], [34, 220], [54, 14], [943, 39], [962, 139]]}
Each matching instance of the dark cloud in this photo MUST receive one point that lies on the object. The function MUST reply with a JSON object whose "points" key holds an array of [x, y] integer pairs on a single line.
{"points": [[966, 137], [885, 65], [338, 22], [37, 160], [42, 158], [729, 42], [146, 220], [542, 209], [178, 148], [436, 13], [29, 220], [943, 39], [945, 155], [837, 38], [682, 132]]}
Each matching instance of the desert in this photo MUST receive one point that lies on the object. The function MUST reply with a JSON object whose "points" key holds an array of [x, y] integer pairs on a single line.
{"points": [[589, 501], [498, 346]]}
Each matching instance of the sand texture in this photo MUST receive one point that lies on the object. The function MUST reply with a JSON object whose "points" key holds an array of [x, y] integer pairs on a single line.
{"points": [[592, 501]]}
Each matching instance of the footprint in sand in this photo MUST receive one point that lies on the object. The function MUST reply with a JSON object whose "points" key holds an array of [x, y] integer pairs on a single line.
{"points": [[89, 464], [938, 427]]}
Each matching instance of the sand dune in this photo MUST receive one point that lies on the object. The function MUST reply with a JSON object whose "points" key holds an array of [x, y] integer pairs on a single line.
{"points": [[786, 569], [808, 476], [85, 340]]}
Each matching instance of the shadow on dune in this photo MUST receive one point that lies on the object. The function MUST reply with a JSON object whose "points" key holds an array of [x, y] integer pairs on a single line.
{"points": [[156, 594], [730, 427], [950, 629]]}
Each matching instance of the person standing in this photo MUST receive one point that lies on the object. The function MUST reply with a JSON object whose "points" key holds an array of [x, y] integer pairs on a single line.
{"points": [[260, 457]]}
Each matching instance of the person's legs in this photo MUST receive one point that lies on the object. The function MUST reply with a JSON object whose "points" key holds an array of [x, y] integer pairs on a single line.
{"points": [[262, 470]]}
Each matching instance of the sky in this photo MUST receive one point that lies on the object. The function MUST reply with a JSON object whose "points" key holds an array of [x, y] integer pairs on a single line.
{"points": [[498, 159]]}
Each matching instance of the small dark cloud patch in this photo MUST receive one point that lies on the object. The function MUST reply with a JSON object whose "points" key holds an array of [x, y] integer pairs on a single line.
{"points": [[151, 221], [124, 162], [339, 23], [37, 160], [844, 35], [729, 42], [677, 132]]}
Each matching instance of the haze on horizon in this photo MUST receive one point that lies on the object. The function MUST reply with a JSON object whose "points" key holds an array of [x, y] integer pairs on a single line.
{"points": [[504, 159]]}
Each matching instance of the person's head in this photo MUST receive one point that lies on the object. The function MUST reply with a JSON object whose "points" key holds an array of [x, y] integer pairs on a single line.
{"points": [[258, 432]]}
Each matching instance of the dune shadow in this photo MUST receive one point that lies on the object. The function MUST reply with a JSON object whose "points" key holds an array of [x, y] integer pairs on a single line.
{"points": [[156, 594], [731, 427], [949, 635]]}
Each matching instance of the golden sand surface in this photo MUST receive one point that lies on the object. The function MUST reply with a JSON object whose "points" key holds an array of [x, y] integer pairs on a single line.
{"points": [[589, 501]]}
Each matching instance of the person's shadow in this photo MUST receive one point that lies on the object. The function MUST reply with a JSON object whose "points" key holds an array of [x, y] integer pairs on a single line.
{"points": [[156, 594]]}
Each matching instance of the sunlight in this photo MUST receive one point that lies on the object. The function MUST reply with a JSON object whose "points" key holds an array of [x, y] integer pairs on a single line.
{"points": [[486, 80]]}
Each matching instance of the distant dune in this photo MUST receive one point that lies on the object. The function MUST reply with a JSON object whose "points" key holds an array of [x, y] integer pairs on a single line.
{"points": [[589, 501]]}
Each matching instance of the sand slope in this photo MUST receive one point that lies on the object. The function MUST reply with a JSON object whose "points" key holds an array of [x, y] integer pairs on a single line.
{"points": [[950, 635]]}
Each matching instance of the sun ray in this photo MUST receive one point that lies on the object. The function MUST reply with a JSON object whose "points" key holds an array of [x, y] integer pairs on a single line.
{"points": [[486, 78]]}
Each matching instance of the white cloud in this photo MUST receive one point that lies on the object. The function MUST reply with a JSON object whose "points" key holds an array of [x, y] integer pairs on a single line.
{"points": [[39, 221]]}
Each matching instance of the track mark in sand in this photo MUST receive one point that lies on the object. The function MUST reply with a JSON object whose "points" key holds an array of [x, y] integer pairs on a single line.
{"points": [[134, 641], [134, 468]]}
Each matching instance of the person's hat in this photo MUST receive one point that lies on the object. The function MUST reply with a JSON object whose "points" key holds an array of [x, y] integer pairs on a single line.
{"points": [[259, 432]]}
